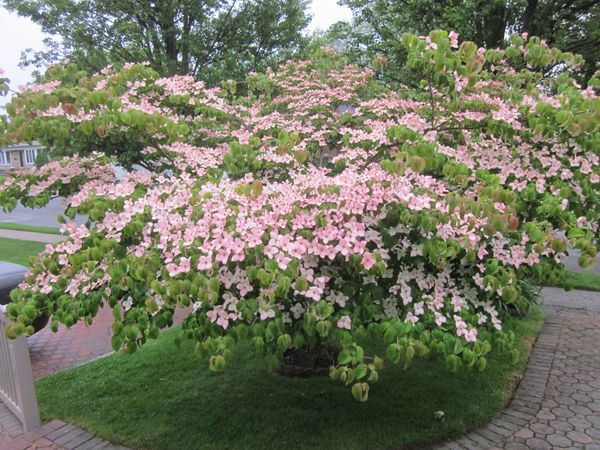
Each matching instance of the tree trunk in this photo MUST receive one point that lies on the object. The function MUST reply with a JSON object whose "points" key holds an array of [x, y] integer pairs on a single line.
{"points": [[495, 24], [165, 13], [529, 17]]}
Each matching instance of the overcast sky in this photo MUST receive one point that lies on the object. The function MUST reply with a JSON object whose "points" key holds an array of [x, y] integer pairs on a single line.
{"points": [[18, 33]]}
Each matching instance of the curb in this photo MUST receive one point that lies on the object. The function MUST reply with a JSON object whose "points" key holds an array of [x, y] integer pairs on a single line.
{"points": [[57, 435]]}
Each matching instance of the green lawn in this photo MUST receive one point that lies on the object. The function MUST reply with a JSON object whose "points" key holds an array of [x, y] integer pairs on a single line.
{"points": [[585, 280], [165, 398], [34, 228], [13, 250]]}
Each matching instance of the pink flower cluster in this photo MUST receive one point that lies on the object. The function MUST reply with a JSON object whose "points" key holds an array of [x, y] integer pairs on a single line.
{"points": [[319, 206]]}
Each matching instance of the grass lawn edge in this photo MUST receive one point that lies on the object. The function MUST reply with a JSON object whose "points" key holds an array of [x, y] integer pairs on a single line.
{"points": [[586, 281], [529, 342], [113, 430], [31, 228], [18, 251]]}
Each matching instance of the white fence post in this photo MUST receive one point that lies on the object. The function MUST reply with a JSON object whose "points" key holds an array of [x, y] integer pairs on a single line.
{"points": [[17, 390]]}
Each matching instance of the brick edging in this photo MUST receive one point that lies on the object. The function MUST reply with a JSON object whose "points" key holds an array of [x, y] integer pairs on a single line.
{"points": [[527, 399], [58, 435]]}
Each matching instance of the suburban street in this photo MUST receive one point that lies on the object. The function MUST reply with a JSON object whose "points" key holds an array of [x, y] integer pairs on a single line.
{"points": [[45, 217]]}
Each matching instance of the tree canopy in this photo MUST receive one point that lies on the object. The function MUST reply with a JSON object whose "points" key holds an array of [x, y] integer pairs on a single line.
{"points": [[572, 26], [209, 39], [317, 206]]}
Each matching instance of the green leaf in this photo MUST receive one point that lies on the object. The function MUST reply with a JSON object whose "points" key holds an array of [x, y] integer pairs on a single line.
{"points": [[301, 284], [323, 328], [258, 342], [284, 342], [393, 353], [453, 363], [481, 364], [344, 357], [216, 363], [361, 371], [421, 349], [360, 391], [390, 334], [469, 357]]}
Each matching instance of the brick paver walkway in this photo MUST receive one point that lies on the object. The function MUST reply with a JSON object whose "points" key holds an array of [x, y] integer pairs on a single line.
{"points": [[557, 403], [70, 347], [55, 435]]}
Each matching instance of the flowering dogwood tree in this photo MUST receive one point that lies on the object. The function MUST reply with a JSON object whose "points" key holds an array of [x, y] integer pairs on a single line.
{"points": [[320, 206]]}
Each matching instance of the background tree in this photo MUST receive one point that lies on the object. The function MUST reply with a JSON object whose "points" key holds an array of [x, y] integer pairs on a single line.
{"points": [[209, 39], [572, 26]]}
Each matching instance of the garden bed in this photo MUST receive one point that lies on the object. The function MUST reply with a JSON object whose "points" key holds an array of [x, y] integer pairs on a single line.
{"points": [[163, 398]]}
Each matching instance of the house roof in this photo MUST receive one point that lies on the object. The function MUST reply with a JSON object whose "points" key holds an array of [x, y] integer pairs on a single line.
{"points": [[23, 146]]}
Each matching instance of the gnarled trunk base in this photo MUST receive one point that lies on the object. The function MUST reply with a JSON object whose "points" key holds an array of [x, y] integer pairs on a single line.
{"points": [[305, 363]]}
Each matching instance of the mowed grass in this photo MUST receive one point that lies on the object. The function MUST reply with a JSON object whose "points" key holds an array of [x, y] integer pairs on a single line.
{"points": [[162, 397], [584, 280], [33, 228], [16, 251]]}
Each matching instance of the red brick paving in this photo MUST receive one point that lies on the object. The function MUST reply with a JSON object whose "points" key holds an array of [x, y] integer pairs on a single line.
{"points": [[70, 347]]}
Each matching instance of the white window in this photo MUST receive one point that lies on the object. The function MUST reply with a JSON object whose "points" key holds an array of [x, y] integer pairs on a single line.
{"points": [[4, 158], [30, 156]]}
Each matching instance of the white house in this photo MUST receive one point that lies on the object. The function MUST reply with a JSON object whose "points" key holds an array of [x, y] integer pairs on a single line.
{"points": [[19, 156]]}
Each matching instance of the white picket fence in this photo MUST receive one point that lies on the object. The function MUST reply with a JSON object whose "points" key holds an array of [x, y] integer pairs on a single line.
{"points": [[17, 391]]}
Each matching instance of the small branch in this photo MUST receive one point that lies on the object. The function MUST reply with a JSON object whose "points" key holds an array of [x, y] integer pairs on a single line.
{"points": [[472, 127], [432, 100]]}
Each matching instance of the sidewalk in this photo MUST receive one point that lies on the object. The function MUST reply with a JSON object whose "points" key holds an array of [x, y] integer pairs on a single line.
{"points": [[55, 435], [70, 347], [557, 403], [31, 236]]}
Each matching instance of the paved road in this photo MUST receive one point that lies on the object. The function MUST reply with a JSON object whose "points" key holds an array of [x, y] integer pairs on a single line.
{"points": [[45, 216], [30, 236], [572, 263]]}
